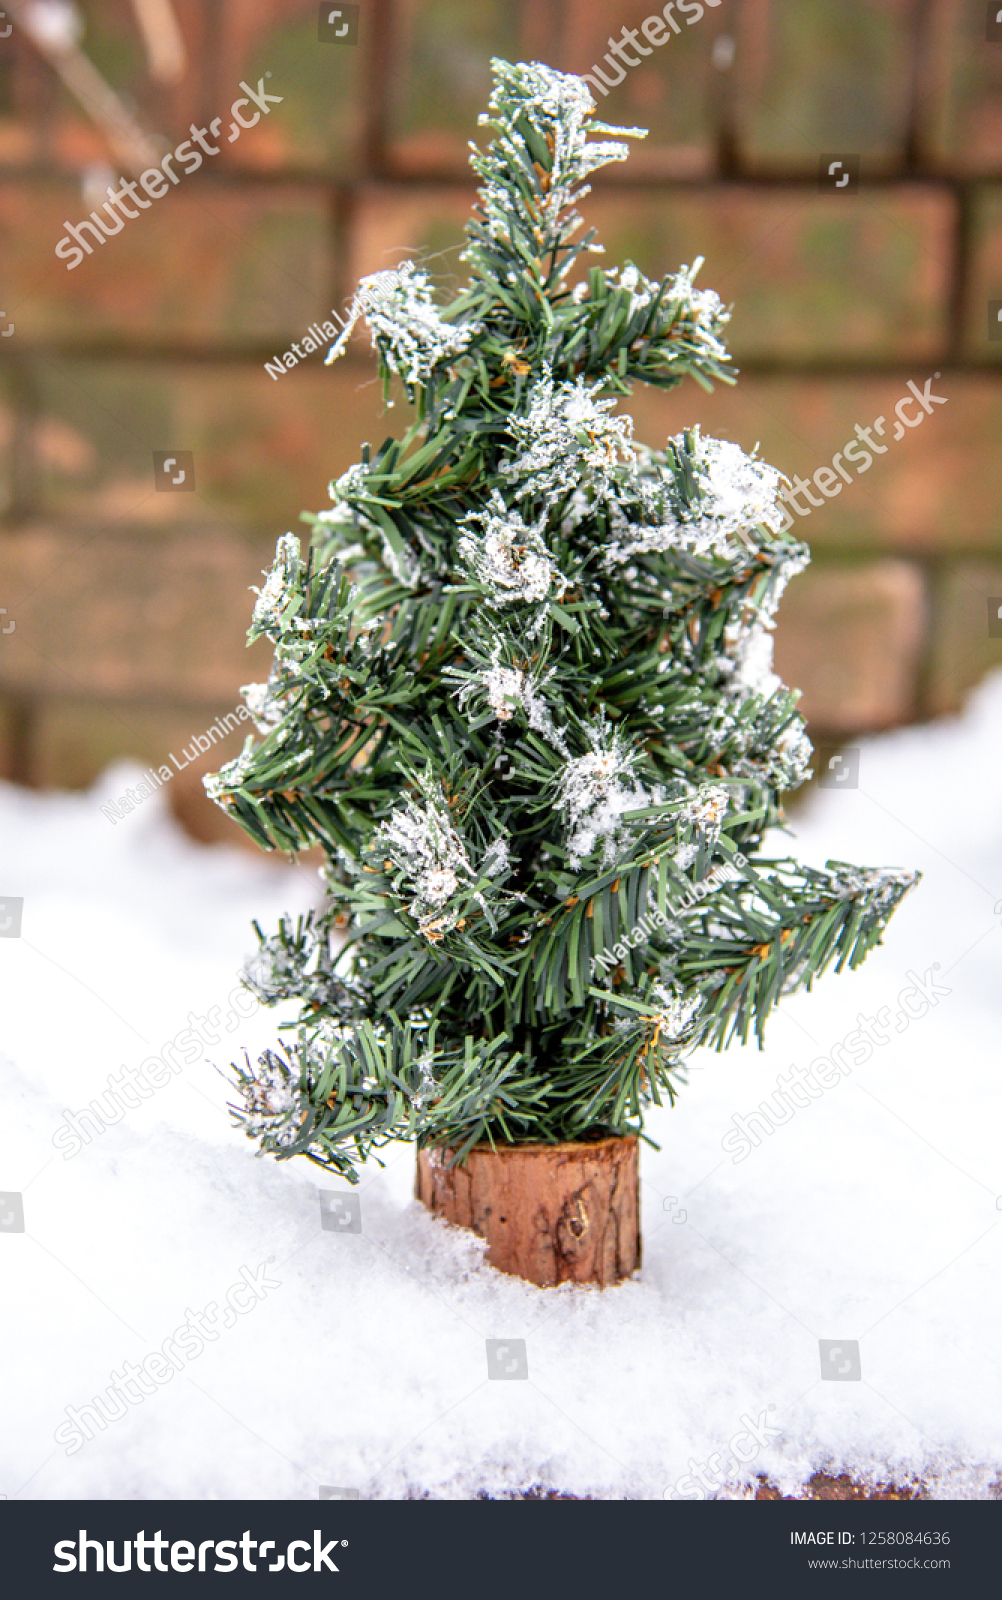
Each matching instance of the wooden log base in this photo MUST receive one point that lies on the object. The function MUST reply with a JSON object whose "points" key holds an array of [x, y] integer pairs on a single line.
{"points": [[551, 1213]]}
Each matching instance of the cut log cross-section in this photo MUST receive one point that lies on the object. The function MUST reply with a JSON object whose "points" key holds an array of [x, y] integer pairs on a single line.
{"points": [[564, 1213]]}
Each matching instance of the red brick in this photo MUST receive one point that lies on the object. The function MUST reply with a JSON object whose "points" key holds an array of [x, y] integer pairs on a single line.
{"points": [[396, 221], [324, 87], [816, 77], [442, 81], [8, 727], [851, 639], [670, 92], [315, 125], [161, 615], [963, 88], [807, 274], [6, 439], [962, 649], [932, 490], [986, 277], [265, 448], [203, 261]]}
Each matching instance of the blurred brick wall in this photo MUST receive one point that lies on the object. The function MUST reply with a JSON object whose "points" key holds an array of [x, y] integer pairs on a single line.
{"points": [[130, 606]]}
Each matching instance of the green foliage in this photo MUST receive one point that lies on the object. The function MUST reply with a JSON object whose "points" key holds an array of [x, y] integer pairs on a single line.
{"points": [[522, 698]]}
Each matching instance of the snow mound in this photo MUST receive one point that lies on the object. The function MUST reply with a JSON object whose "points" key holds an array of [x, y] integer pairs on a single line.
{"points": [[861, 1213]]}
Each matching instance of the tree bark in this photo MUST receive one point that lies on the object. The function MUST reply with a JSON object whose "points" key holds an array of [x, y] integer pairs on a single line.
{"points": [[551, 1213]]}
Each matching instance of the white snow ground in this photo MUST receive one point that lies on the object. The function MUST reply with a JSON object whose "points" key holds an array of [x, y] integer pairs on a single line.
{"points": [[871, 1215]]}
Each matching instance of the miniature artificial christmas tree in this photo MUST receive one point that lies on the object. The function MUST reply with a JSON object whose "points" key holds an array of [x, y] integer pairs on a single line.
{"points": [[522, 697]]}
